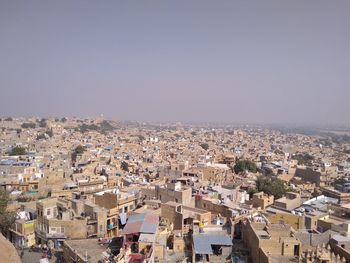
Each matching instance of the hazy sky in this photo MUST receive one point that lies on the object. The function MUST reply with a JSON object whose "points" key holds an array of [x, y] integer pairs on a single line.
{"points": [[233, 61]]}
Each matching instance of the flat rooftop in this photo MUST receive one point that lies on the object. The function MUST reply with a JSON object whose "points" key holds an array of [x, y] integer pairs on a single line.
{"points": [[334, 220], [89, 247]]}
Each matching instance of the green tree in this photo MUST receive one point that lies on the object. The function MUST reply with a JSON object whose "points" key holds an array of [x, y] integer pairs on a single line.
{"points": [[23, 198], [27, 125], [303, 158], [106, 126], [252, 191], [279, 152], [40, 137], [49, 133], [18, 150], [271, 185], [79, 150], [245, 165], [205, 146], [88, 127], [6, 218], [42, 123], [141, 138], [124, 166], [267, 171]]}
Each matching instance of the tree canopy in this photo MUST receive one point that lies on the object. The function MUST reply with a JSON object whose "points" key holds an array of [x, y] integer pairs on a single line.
{"points": [[40, 137], [49, 132], [245, 165], [42, 123], [18, 150], [103, 127], [303, 158], [88, 127], [271, 185], [79, 150], [27, 125], [106, 126], [124, 166], [205, 146], [141, 138], [6, 218]]}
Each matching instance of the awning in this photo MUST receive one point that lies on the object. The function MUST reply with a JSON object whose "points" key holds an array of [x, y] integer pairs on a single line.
{"points": [[203, 242]]}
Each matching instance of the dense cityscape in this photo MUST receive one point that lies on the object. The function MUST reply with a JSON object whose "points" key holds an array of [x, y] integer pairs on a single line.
{"points": [[187, 131], [95, 190]]}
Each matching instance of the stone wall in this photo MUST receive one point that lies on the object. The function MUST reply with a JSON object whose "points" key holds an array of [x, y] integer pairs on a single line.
{"points": [[8, 251]]}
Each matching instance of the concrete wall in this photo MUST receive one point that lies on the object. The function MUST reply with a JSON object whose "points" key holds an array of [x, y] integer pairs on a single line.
{"points": [[263, 257], [169, 212], [251, 240], [279, 242], [74, 229], [107, 200], [261, 200], [148, 193], [183, 196], [295, 221], [214, 208]]}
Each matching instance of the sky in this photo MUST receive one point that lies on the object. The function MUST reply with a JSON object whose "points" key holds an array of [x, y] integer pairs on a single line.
{"points": [[257, 61]]}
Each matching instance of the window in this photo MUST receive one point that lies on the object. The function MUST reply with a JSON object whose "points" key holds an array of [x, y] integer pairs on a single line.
{"points": [[176, 200], [48, 211], [125, 209]]}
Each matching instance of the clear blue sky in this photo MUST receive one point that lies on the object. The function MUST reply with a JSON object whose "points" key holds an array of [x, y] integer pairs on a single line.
{"points": [[233, 61]]}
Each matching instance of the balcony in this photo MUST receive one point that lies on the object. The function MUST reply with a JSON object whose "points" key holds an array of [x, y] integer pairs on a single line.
{"points": [[91, 233], [56, 235], [91, 221], [44, 235]]}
